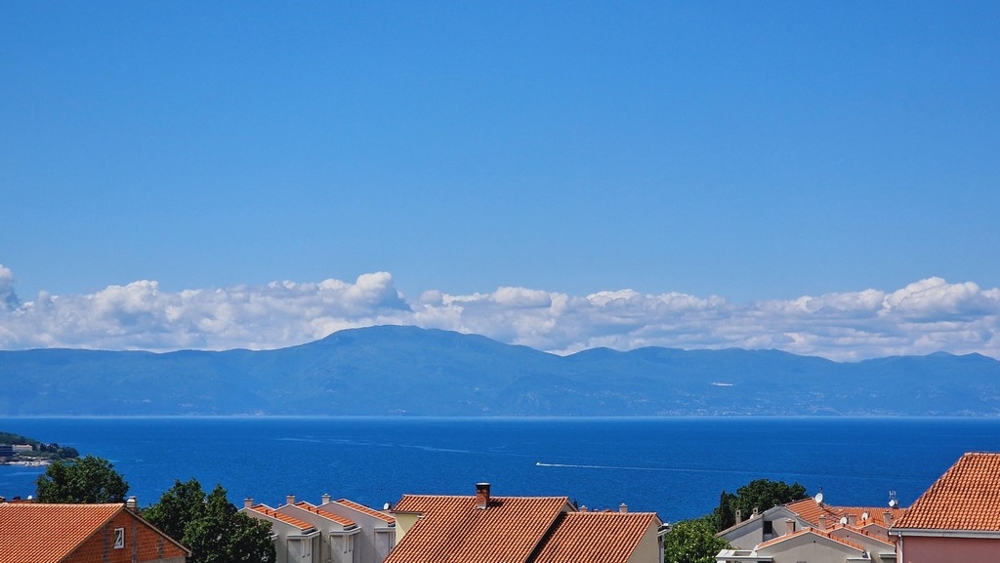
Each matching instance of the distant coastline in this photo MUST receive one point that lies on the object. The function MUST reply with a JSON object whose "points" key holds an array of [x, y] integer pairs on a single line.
{"points": [[28, 462]]}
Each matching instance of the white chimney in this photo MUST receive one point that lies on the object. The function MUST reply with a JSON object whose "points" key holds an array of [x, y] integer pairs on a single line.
{"points": [[822, 522], [887, 516], [623, 508], [327, 498], [131, 503], [290, 499], [247, 502]]}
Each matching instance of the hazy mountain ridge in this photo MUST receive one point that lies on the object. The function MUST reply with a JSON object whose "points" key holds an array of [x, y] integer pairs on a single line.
{"points": [[392, 370]]}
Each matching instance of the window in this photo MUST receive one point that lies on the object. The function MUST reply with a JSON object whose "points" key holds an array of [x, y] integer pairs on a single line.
{"points": [[119, 538], [768, 527]]}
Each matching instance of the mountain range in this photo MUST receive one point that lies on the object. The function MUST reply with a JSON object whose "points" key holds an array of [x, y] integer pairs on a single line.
{"points": [[409, 371]]}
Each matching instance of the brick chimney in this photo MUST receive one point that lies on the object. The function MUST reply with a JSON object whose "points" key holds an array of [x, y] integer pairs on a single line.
{"points": [[247, 502], [887, 517], [290, 499], [482, 495], [822, 522], [327, 498], [789, 526]]}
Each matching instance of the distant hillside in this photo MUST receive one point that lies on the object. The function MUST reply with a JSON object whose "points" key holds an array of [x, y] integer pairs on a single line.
{"points": [[393, 370]]}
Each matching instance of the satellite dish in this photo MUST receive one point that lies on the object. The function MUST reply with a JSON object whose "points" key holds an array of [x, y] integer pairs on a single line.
{"points": [[864, 515], [818, 498], [893, 503], [385, 506], [843, 520]]}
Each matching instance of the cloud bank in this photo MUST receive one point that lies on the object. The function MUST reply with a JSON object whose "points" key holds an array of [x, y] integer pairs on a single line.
{"points": [[927, 316]]}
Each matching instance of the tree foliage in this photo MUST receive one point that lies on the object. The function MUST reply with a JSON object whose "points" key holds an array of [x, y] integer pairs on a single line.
{"points": [[210, 526], [86, 480], [760, 494], [693, 541]]}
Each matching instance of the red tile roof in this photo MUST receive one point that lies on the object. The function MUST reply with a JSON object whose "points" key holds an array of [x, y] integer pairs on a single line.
{"points": [[362, 508], [291, 520], [966, 497], [596, 537], [810, 511], [41, 533], [325, 514], [453, 530]]}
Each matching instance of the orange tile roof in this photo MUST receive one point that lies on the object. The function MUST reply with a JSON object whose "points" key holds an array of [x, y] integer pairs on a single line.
{"points": [[810, 511], [966, 497], [325, 513], [291, 520], [595, 537], [453, 530], [876, 514], [362, 508], [43, 533]]}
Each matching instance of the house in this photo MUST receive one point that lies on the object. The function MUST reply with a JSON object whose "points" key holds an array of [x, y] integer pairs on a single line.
{"points": [[957, 518], [488, 529], [295, 540], [333, 532], [837, 545], [809, 530], [82, 533], [809, 513], [378, 529]]}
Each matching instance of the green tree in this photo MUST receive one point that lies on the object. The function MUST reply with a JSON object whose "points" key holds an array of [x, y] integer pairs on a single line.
{"points": [[760, 494], [210, 526], [82, 481], [693, 541]]}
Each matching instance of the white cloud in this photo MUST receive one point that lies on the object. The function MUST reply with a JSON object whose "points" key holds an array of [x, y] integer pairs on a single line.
{"points": [[926, 316]]}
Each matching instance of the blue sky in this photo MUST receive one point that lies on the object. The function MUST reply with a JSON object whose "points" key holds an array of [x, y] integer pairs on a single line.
{"points": [[745, 157]]}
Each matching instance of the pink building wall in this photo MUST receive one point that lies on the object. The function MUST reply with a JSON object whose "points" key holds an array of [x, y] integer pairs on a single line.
{"points": [[938, 550]]}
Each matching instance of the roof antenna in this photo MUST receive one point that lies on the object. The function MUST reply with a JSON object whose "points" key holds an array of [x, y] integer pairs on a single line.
{"points": [[893, 503]]}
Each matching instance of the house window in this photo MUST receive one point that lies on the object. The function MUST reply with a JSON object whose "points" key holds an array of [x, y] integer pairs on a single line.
{"points": [[119, 538], [768, 527]]}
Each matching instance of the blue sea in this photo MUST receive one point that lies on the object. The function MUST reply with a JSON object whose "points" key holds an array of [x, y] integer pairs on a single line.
{"points": [[674, 466]]}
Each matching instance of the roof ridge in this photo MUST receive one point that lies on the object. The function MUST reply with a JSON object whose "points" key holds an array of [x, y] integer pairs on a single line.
{"points": [[268, 511]]}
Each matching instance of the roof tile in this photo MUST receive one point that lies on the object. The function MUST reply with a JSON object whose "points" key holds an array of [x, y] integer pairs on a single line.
{"points": [[371, 512], [453, 530], [595, 537], [309, 507], [40, 533], [291, 520], [966, 497]]}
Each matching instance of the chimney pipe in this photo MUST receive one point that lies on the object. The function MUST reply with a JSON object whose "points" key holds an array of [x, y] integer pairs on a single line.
{"points": [[482, 495], [789, 526], [822, 522], [290, 499], [247, 502], [327, 498], [131, 503]]}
